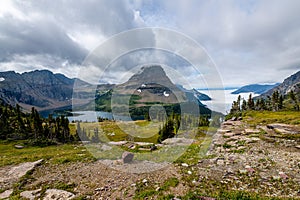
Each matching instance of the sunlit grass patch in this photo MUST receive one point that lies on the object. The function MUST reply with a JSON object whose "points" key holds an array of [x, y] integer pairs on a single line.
{"points": [[55, 154], [267, 117]]}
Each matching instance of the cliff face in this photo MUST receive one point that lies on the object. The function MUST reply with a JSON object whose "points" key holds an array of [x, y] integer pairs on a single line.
{"points": [[290, 83]]}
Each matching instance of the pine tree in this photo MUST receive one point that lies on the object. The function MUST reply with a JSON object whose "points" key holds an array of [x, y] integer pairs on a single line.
{"points": [[244, 105], [250, 103]]}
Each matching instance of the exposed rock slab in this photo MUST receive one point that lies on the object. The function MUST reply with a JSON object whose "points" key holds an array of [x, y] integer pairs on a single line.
{"points": [[31, 195], [178, 141], [284, 128], [14, 173], [6, 194], [55, 194], [120, 143]]}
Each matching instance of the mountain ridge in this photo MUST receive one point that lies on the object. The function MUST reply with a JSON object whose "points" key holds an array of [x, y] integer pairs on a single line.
{"points": [[255, 88], [39, 88], [291, 83]]}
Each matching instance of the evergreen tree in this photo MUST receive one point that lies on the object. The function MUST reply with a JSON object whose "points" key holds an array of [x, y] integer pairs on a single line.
{"points": [[167, 130], [250, 103], [244, 105]]}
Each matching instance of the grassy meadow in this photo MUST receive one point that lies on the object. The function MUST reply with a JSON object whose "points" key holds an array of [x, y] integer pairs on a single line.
{"points": [[267, 117]]}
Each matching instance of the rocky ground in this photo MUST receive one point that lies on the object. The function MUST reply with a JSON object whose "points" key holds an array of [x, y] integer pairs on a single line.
{"points": [[258, 159], [262, 159]]}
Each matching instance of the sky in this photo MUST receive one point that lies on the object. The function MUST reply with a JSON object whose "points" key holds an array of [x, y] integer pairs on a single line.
{"points": [[254, 41]]}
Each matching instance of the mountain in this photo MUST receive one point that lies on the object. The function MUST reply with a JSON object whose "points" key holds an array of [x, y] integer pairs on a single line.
{"points": [[255, 88], [291, 83], [150, 86], [41, 89]]}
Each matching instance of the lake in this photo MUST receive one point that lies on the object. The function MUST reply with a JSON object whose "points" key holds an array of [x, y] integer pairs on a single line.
{"points": [[222, 99], [92, 116]]}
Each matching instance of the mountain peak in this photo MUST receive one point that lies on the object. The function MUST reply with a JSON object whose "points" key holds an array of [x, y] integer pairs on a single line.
{"points": [[150, 74]]}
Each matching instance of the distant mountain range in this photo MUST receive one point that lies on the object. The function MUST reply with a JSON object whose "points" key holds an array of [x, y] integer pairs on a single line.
{"points": [[255, 88], [46, 91]]}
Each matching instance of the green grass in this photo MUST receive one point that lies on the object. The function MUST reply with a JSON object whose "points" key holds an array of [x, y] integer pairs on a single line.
{"points": [[195, 151], [267, 117], [150, 189], [55, 154], [139, 131]]}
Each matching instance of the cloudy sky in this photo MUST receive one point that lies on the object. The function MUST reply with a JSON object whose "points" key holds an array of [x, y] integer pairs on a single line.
{"points": [[254, 41]]}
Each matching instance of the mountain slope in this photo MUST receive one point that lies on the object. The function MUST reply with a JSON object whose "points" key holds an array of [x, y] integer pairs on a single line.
{"points": [[41, 89], [291, 83], [148, 87], [255, 88]]}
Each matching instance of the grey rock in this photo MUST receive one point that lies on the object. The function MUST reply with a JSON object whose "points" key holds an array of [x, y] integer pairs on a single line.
{"points": [[19, 146], [283, 175], [20, 170], [127, 157], [6, 194], [31, 195], [55, 194], [178, 141]]}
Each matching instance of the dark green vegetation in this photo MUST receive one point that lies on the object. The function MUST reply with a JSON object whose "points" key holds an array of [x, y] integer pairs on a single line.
{"points": [[276, 102], [139, 110], [16, 125]]}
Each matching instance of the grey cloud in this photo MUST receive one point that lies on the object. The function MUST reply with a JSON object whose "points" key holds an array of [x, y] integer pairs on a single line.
{"points": [[47, 27], [38, 37], [242, 37]]}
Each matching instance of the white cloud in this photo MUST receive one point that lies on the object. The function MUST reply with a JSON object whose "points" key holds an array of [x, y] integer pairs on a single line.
{"points": [[257, 39]]}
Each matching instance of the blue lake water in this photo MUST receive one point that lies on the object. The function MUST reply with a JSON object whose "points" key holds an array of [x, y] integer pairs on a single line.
{"points": [[92, 116]]}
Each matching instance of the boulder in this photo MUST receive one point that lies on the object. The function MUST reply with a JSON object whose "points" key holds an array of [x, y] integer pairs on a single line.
{"points": [[127, 157], [19, 146]]}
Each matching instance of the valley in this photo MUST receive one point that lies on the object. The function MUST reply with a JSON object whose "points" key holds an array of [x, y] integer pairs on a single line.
{"points": [[161, 152]]}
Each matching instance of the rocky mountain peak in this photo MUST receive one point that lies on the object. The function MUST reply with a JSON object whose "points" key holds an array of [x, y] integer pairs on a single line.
{"points": [[150, 74]]}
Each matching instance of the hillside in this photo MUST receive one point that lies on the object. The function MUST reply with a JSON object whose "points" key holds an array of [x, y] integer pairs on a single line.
{"points": [[291, 83], [255, 88], [41, 89]]}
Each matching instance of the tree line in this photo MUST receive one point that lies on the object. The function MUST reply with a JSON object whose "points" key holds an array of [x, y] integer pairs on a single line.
{"points": [[275, 102], [17, 125]]}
